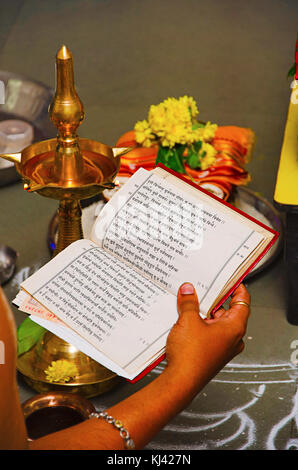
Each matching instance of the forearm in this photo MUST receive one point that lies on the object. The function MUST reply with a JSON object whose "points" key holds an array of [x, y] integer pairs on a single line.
{"points": [[12, 425], [143, 414], [146, 412], [196, 351]]}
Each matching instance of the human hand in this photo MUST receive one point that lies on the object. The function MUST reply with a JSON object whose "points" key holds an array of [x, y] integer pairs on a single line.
{"points": [[198, 349]]}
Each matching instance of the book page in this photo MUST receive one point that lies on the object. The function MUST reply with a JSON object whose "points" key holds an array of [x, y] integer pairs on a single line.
{"points": [[68, 335], [174, 236], [48, 320], [112, 306]]}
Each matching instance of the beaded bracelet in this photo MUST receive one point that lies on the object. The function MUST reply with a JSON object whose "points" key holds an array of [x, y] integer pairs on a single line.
{"points": [[128, 442]]}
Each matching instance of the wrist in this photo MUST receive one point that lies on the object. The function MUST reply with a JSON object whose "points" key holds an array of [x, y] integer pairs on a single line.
{"points": [[182, 383], [189, 379]]}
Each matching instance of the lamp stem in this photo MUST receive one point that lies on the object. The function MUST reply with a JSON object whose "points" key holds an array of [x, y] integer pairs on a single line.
{"points": [[70, 223]]}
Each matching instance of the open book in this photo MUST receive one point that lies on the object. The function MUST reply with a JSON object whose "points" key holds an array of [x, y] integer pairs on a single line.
{"points": [[114, 297]]}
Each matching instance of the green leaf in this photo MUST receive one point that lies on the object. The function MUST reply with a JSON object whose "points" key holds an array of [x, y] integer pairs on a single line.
{"points": [[292, 71], [197, 146], [193, 155], [171, 157], [193, 160], [28, 333], [162, 155]]}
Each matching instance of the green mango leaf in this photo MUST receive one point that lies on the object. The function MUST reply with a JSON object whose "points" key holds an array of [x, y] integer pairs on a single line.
{"points": [[197, 146], [193, 155], [292, 71], [193, 160], [28, 333], [171, 157]]}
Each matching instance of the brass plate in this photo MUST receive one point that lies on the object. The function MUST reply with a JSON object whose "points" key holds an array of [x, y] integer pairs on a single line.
{"points": [[93, 379]]}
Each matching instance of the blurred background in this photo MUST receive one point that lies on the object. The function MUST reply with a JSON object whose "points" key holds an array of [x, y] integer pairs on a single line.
{"points": [[233, 57]]}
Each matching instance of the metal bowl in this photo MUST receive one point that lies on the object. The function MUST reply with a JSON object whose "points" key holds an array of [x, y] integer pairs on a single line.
{"points": [[8, 259], [259, 208], [51, 412], [27, 100]]}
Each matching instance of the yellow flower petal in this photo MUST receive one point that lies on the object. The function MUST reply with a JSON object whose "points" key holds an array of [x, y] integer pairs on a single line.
{"points": [[61, 371]]}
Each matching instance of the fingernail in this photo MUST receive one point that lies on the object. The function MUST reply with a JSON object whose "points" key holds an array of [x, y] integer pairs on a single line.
{"points": [[187, 289]]}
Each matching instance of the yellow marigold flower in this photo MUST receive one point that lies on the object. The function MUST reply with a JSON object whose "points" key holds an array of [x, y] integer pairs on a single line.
{"points": [[144, 135], [210, 155], [172, 121], [61, 371], [209, 131], [191, 104]]}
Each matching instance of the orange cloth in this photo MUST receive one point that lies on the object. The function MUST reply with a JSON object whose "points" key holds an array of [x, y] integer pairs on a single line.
{"points": [[234, 145]]}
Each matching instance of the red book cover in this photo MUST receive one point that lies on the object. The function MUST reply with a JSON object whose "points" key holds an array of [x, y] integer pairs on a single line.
{"points": [[253, 264]]}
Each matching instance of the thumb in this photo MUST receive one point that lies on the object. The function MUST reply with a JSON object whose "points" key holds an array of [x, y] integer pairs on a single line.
{"points": [[187, 300]]}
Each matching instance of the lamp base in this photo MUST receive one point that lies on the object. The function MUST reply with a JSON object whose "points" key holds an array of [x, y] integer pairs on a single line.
{"points": [[91, 378]]}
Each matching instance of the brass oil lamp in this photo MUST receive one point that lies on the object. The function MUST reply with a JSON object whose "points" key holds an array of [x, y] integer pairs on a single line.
{"points": [[69, 169]]}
